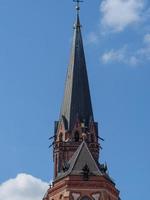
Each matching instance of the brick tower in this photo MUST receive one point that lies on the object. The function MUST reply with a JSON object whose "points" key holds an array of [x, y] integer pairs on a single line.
{"points": [[78, 175]]}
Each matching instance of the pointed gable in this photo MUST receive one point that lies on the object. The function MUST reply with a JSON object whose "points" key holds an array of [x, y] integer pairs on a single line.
{"points": [[81, 158]]}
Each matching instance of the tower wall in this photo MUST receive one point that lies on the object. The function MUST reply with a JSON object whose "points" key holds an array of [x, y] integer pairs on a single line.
{"points": [[75, 188]]}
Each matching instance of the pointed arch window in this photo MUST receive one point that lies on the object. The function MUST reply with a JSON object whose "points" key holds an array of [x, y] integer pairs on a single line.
{"points": [[60, 137], [76, 136]]}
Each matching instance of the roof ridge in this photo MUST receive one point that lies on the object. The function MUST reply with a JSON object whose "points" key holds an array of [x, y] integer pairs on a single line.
{"points": [[92, 157]]}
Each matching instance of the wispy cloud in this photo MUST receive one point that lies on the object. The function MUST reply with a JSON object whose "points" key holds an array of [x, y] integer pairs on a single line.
{"points": [[113, 55], [118, 14], [92, 38], [116, 17], [144, 52], [23, 187], [120, 56], [127, 56]]}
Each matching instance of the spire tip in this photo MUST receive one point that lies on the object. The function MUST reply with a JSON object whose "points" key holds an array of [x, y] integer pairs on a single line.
{"points": [[78, 5]]}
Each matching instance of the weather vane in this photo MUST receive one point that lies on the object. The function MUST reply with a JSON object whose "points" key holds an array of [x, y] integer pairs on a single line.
{"points": [[78, 4]]}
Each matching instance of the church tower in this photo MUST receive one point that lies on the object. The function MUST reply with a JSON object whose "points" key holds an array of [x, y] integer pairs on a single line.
{"points": [[78, 175]]}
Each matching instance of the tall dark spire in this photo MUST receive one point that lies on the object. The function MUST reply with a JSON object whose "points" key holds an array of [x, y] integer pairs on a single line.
{"points": [[76, 145], [77, 100]]}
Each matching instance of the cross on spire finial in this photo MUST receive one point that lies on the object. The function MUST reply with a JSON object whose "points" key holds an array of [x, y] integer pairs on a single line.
{"points": [[78, 5]]}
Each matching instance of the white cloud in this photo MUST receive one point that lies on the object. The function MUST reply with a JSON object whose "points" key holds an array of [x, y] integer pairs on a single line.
{"points": [[118, 14], [113, 55], [127, 56], [23, 187], [120, 56], [144, 52]]}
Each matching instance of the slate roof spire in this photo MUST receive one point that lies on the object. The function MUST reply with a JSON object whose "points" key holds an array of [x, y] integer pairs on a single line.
{"points": [[77, 100]]}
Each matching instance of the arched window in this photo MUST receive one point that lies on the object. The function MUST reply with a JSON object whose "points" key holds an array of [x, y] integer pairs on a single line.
{"points": [[60, 137], [85, 198], [76, 136]]}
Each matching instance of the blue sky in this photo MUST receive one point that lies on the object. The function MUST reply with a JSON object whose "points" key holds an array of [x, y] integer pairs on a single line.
{"points": [[35, 41]]}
